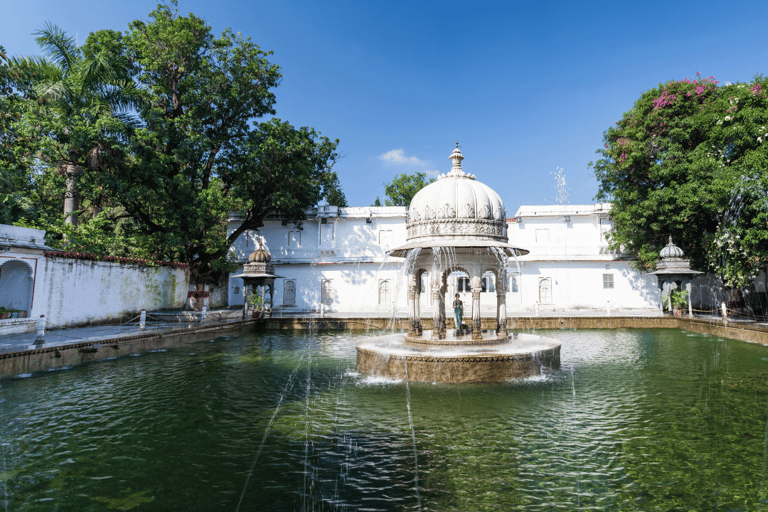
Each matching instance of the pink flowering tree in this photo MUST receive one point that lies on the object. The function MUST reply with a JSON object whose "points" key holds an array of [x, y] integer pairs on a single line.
{"points": [[675, 164]]}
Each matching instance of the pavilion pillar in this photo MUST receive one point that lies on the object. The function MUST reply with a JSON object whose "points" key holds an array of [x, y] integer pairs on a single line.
{"points": [[417, 305], [246, 291], [688, 287], [271, 297], [501, 304], [438, 305], [443, 289], [412, 298], [476, 284]]}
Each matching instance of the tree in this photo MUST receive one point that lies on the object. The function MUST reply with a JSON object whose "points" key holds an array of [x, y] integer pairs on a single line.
{"points": [[78, 103], [200, 154], [400, 191], [689, 160], [11, 175]]}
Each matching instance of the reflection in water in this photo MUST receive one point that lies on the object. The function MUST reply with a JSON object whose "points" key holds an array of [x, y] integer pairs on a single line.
{"points": [[633, 420]]}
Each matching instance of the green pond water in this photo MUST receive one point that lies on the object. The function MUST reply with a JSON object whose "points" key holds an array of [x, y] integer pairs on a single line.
{"points": [[633, 420]]}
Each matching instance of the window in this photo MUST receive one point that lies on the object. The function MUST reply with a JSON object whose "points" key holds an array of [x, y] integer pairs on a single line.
{"points": [[608, 281], [385, 238], [326, 292], [294, 239], [462, 285], [289, 293], [513, 284], [488, 284], [605, 227], [424, 284], [326, 234], [545, 290], [384, 286]]}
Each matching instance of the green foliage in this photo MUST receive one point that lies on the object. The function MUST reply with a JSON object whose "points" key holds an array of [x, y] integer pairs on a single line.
{"points": [[12, 174], [679, 299], [199, 155], [401, 190], [689, 160], [155, 135], [254, 300]]}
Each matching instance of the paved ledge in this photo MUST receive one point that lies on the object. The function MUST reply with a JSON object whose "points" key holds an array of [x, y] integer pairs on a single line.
{"points": [[68, 347], [56, 355]]}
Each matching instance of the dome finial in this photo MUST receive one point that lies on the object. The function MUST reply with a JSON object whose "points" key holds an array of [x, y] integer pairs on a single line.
{"points": [[456, 157], [260, 255], [671, 250]]}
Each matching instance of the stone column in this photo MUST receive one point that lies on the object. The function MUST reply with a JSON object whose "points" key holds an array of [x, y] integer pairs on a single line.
{"points": [[271, 298], [443, 289], [501, 304], [476, 284], [438, 305], [247, 290], [412, 298], [688, 288], [661, 295], [417, 306]]}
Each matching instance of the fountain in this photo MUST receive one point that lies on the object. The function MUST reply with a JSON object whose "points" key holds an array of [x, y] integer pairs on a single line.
{"points": [[457, 224]]}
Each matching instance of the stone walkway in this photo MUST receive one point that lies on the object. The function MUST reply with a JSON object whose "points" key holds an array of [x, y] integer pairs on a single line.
{"points": [[171, 320], [156, 322]]}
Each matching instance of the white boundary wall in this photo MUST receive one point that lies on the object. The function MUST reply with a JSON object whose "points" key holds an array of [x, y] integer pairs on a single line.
{"points": [[80, 292]]}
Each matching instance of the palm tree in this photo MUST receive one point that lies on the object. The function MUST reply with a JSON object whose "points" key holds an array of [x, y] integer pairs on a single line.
{"points": [[83, 99]]}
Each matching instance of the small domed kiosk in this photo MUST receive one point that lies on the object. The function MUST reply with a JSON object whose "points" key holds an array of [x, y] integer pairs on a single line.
{"points": [[457, 224], [257, 274]]}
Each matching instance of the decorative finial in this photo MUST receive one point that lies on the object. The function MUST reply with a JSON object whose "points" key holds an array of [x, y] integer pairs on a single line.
{"points": [[456, 157]]}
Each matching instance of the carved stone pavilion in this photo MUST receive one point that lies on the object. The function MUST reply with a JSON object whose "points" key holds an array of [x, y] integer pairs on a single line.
{"points": [[258, 278], [674, 271]]}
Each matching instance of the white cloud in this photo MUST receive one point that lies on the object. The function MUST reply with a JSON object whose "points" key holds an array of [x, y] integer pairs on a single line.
{"points": [[397, 156]]}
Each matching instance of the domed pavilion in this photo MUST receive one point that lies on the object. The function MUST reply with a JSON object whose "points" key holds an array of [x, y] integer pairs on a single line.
{"points": [[456, 224]]}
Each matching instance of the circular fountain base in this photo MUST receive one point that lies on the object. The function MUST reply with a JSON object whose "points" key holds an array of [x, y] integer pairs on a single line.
{"points": [[524, 355]]}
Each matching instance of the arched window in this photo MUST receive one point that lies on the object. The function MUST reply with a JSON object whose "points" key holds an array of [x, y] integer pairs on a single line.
{"points": [[289, 293], [545, 290], [384, 288], [327, 295], [462, 285]]}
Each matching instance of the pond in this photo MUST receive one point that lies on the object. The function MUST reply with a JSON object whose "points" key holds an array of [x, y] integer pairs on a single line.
{"points": [[633, 420]]}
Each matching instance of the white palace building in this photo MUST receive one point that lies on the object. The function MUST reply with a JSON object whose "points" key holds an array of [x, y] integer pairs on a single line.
{"points": [[338, 258], [338, 261]]}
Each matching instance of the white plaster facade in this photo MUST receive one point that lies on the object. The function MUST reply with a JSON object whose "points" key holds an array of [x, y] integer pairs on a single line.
{"points": [[339, 257], [570, 266]]}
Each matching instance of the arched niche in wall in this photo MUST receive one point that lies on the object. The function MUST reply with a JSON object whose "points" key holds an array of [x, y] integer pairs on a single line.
{"points": [[16, 285]]}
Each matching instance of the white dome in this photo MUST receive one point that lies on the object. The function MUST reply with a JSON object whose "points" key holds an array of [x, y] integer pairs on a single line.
{"points": [[671, 251], [459, 207]]}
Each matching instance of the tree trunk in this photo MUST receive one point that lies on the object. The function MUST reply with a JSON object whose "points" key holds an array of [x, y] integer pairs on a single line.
{"points": [[72, 195]]}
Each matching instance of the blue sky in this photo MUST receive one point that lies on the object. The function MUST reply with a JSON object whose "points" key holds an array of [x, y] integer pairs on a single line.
{"points": [[525, 87]]}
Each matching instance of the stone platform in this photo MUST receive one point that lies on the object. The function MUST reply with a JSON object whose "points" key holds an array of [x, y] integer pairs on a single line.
{"points": [[454, 337], [524, 355]]}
